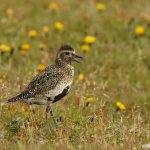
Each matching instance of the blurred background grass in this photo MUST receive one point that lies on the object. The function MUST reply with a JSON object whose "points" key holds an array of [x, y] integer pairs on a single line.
{"points": [[115, 68]]}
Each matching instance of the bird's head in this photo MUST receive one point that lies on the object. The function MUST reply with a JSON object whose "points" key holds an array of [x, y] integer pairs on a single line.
{"points": [[67, 55]]}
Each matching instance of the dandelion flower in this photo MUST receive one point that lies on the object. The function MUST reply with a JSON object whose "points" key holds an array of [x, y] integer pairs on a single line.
{"points": [[42, 46], [139, 30], [5, 48], [53, 6], [45, 30], [100, 6], [32, 33], [34, 74], [85, 48], [9, 12], [81, 77], [90, 100], [58, 26], [120, 106], [89, 39], [41, 67], [25, 47]]}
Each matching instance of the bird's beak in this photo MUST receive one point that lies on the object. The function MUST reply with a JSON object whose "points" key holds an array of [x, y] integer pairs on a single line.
{"points": [[76, 58]]}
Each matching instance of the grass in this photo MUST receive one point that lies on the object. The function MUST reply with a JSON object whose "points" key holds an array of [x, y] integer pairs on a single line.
{"points": [[115, 69]]}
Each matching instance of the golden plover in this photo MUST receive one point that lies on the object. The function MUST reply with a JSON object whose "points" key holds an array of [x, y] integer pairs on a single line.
{"points": [[53, 83]]}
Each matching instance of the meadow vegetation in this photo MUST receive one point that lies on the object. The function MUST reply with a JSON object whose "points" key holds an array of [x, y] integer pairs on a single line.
{"points": [[109, 103]]}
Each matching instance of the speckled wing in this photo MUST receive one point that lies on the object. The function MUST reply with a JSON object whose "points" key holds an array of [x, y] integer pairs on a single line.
{"points": [[40, 84], [43, 82]]}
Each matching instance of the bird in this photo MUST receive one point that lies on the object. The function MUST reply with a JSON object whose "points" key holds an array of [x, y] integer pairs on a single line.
{"points": [[53, 83]]}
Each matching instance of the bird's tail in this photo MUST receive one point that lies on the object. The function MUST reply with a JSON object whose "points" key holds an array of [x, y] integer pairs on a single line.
{"points": [[23, 95], [13, 99]]}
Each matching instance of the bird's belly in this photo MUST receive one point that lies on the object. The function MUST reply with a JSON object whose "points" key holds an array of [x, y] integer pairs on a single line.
{"points": [[57, 90], [38, 101]]}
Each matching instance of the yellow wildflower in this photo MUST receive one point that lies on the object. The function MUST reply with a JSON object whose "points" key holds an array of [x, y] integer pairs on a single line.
{"points": [[120, 106], [53, 6], [139, 30], [32, 33], [41, 67], [85, 48], [45, 30], [34, 74], [90, 100], [100, 6], [42, 46], [5, 48], [81, 77], [89, 39], [25, 47], [9, 12], [58, 26]]}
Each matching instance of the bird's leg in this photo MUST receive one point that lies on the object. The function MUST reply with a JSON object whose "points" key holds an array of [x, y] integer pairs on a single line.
{"points": [[49, 109], [46, 112], [52, 115]]}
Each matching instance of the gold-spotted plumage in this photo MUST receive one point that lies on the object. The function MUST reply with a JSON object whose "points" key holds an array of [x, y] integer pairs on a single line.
{"points": [[53, 83]]}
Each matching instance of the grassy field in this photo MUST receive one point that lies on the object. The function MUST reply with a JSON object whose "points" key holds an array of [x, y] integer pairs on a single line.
{"points": [[116, 68]]}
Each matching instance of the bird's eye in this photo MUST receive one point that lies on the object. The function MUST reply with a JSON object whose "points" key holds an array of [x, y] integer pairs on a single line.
{"points": [[67, 53]]}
